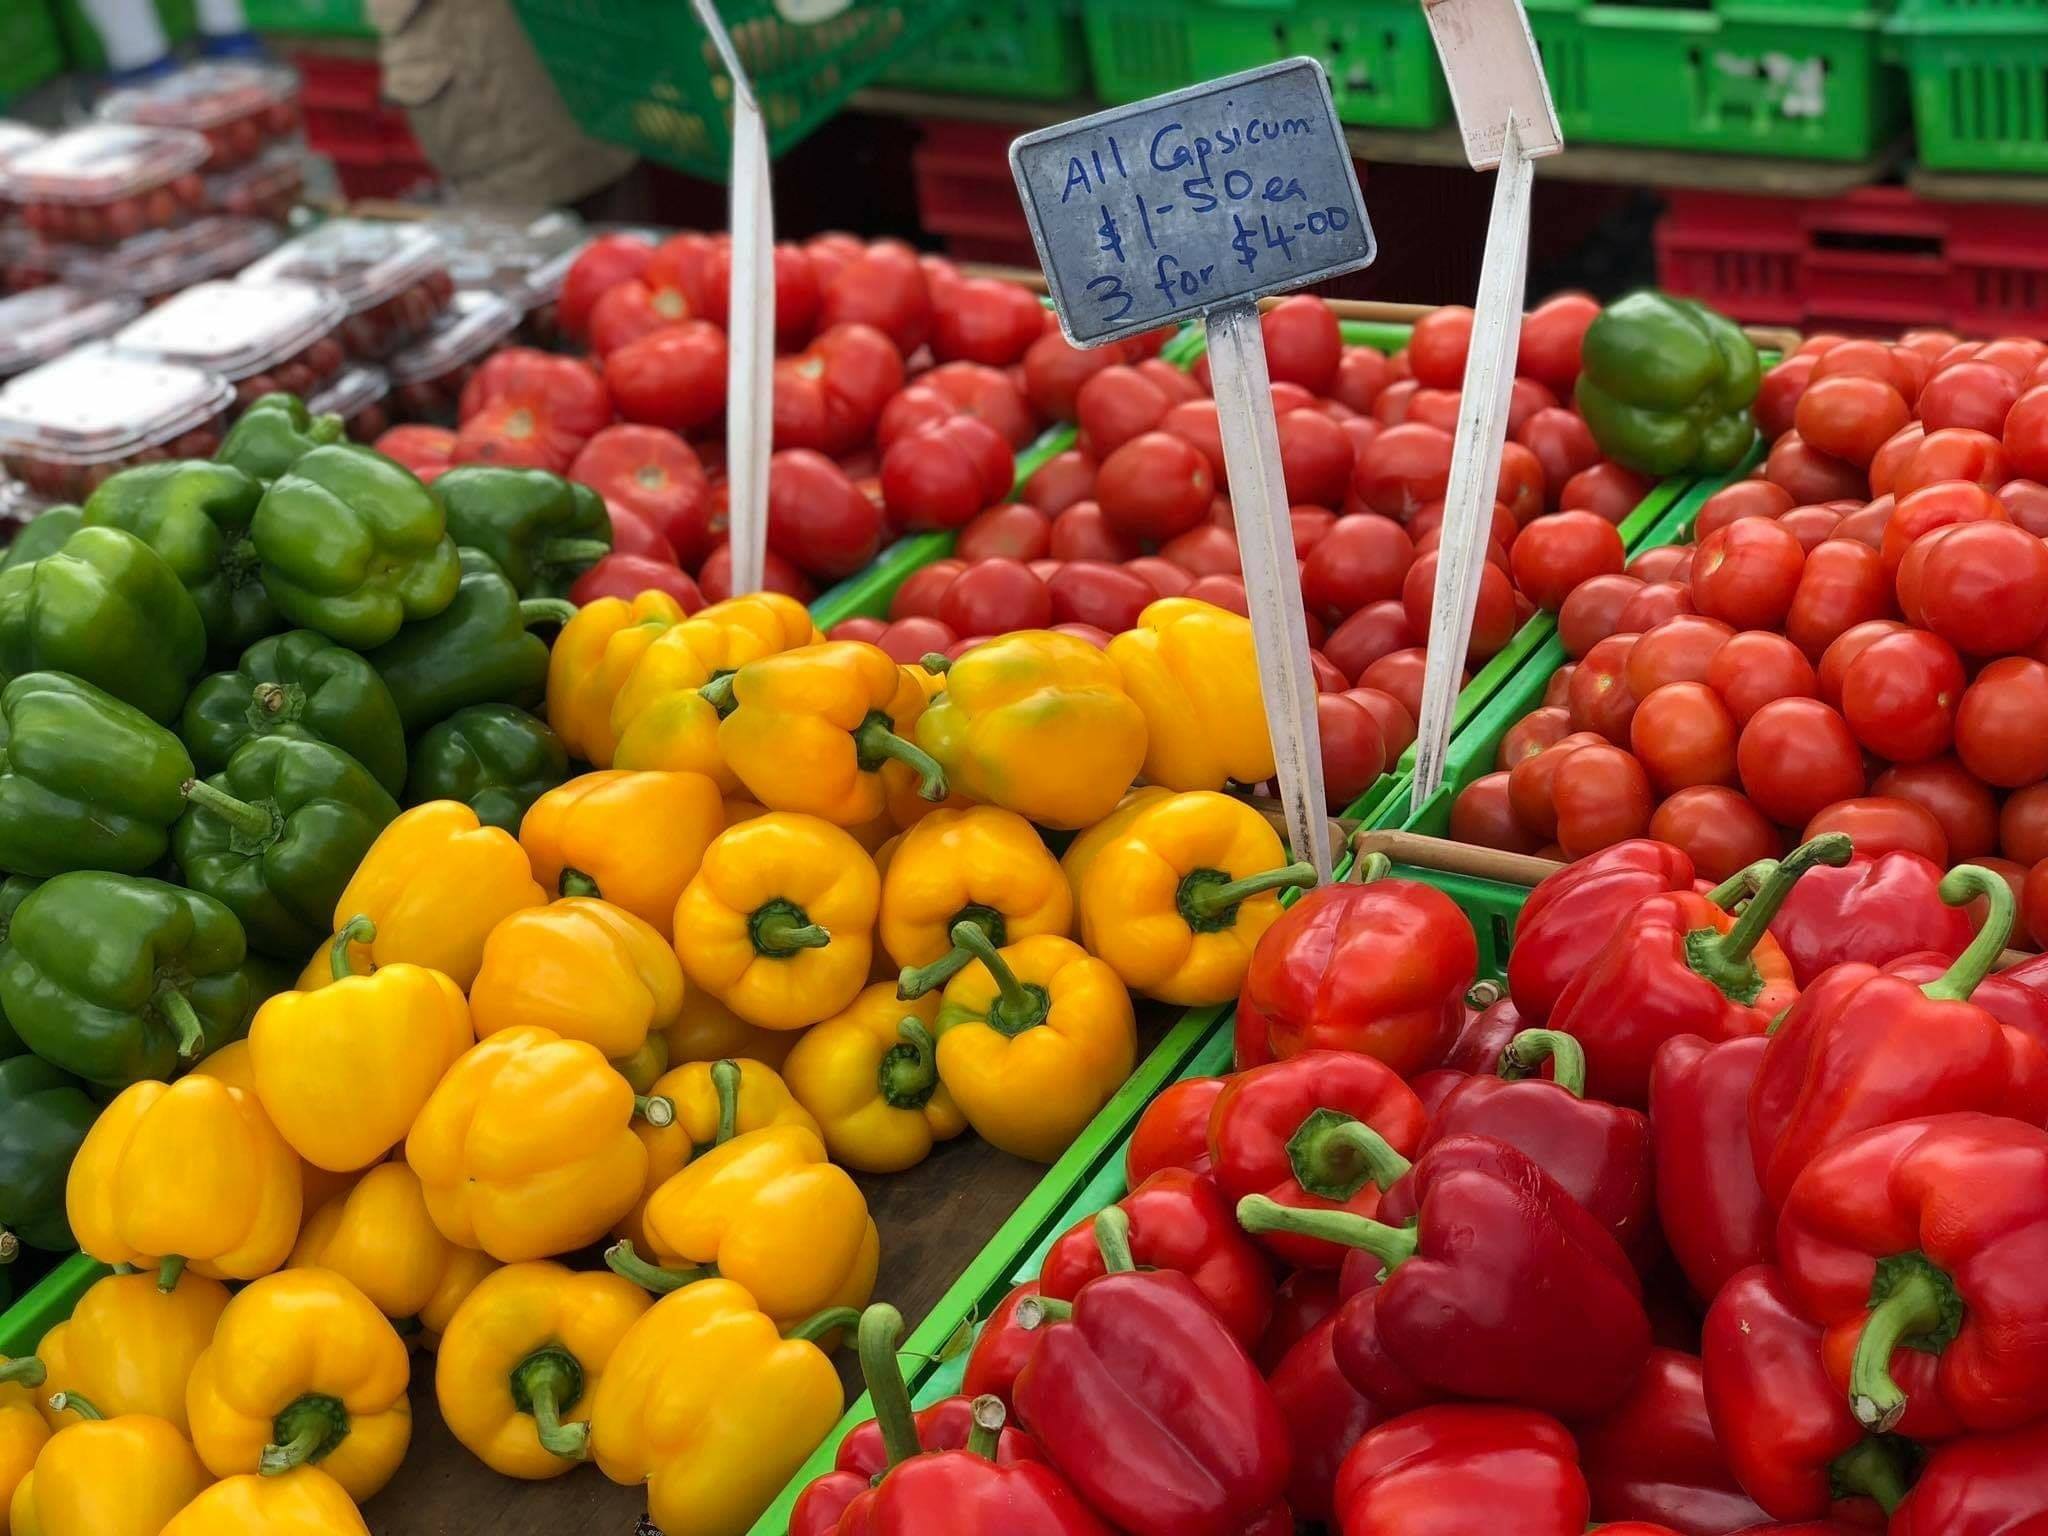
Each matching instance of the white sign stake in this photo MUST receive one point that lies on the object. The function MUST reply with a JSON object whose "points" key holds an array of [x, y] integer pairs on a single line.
{"points": [[750, 323], [1503, 105]]}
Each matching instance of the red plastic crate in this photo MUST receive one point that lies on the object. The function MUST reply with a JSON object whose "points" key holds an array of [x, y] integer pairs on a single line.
{"points": [[966, 195]]}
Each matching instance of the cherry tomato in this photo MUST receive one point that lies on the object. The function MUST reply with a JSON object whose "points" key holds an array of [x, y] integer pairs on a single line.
{"points": [[1592, 611], [1404, 467], [1376, 630], [1900, 695], [1932, 507], [1083, 533], [1972, 394], [1362, 560], [1849, 415], [1599, 698], [1562, 443], [985, 320], [1221, 591], [1777, 397], [819, 520], [1493, 618], [1532, 780], [1059, 482], [1354, 752], [1529, 735], [1315, 458], [1012, 531], [1602, 797], [1754, 669], [656, 474], [942, 476], [1557, 552], [1400, 673], [1055, 369], [2023, 824], [1745, 498], [1982, 586], [830, 395], [1204, 551], [1661, 562], [1482, 817], [1877, 824], [1747, 573], [1154, 486], [1397, 726], [1437, 346], [884, 288], [1965, 810], [1841, 585], [909, 641], [992, 597], [1810, 475], [1679, 650], [1302, 343], [1658, 601], [1797, 756], [1718, 829], [1999, 734], [777, 575], [922, 589], [1552, 334], [2026, 503], [1606, 488], [1953, 453]]}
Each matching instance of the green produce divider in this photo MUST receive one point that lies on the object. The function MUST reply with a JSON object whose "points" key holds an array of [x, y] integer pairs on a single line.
{"points": [[47, 1303]]}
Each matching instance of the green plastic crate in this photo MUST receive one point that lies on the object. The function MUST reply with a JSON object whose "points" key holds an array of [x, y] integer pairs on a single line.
{"points": [[309, 18], [1979, 74], [643, 73], [1026, 50], [30, 51], [1382, 65], [1748, 77]]}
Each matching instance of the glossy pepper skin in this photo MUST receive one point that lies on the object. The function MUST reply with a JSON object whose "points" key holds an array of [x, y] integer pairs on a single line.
{"points": [[870, 1076], [1987, 1485], [302, 1502], [1786, 1431], [1709, 1199], [232, 1066], [1034, 1038], [196, 515], [303, 1369], [1872, 910], [86, 781], [1569, 915], [43, 534], [1862, 1048], [706, 1030], [520, 1362], [125, 1475], [1191, 670], [666, 684], [107, 609], [1325, 1417], [277, 834], [1174, 1130], [587, 969], [1463, 1470], [22, 1430], [635, 839], [2012, 996], [981, 865], [1039, 724], [378, 1235], [493, 758], [299, 684], [128, 1346], [1665, 383], [1680, 965], [352, 545], [589, 663], [137, 1194], [1656, 1458], [1295, 1131], [274, 433], [1469, 1239], [778, 921], [115, 978], [541, 530], [44, 1115], [1374, 965], [711, 1407]]}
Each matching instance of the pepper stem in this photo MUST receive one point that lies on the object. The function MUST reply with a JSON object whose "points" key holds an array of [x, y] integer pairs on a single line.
{"points": [[718, 693], [1868, 1470], [270, 697], [1743, 883], [576, 883], [168, 1269], [620, 1259], [71, 1402], [250, 821], [26, 1372], [908, 1074], [1034, 1312], [1113, 1237], [570, 552], [1910, 1300], [10, 1246], [916, 980], [1392, 1246], [726, 1079], [781, 928], [987, 1433], [881, 1331], [1335, 1155], [307, 1429], [1724, 958], [654, 1109], [1374, 866], [875, 740], [177, 1011], [1960, 886], [543, 1384], [816, 1326], [545, 610], [1016, 1008], [1484, 993], [357, 930], [1208, 902], [1526, 1053], [938, 663]]}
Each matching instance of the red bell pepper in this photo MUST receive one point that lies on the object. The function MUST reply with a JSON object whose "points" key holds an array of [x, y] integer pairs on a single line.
{"points": [[1001, 1349], [1179, 1221], [1931, 1234], [1570, 914], [1862, 1048], [2017, 997], [1487, 1030], [1655, 1456], [1325, 1130], [1803, 1528], [1325, 1416], [1174, 1131], [1710, 1202], [1376, 966], [1870, 909], [1149, 1405], [1304, 1299], [1679, 965], [1989, 1485], [1599, 1153], [1499, 1286], [1785, 1430], [1463, 1470]]}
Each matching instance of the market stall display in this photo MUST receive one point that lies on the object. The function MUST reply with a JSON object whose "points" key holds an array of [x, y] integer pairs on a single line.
{"points": [[102, 184], [392, 278]]}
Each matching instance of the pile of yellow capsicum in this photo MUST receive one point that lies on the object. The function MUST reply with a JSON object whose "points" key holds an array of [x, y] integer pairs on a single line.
{"points": [[802, 917]]}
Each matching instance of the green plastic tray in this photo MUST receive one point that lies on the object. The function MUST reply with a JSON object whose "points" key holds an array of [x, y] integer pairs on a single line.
{"points": [[1979, 76], [1025, 49]]}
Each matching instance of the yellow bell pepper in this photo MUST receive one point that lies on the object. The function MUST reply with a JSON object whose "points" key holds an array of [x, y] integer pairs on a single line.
{"points": [[590, 661], [818, 730], [707, 1030], [1177, 902], [1082, 850], [433, 885], [342, 1072], [1038, 723], [302, 1502], [634, 839], [380, 1238], [97, 1476], [738, 810], [713, 1408], [521, 1363], [190, 1172], [1191, 668], [232, 1066], [127, 1347], [1033, 1040], [303, 1369], [586, 969], [525, 1151], [870, 1075], [715, 641], [715, 1101], [984, 866], [22, 1430], [779, 922], [676, 733], [775, 619]]}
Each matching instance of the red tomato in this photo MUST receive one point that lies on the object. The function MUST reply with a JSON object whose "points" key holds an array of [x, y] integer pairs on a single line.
{"points": [[1154, 486], [2023, 824], [1376, 630], [777, 575], [1531, 780], [1221, 590], [1953, 453], [1055, 369], [1878, 825], [1525, 398], [1718, 829], [1845, 648], [1777, 397], [672, 378], [1493, 620], [600, 266], [942, 476], [908, 641], [1362, 560], [1400, 673], [2034, 904], [1562, 443], [992, 597], [525, 409], [429, 452], [1602, 797], [1437, 347], [1404, 467], [1116, 405], [1809, 474], [818, 519], [1745, 498], [830, 395], [1658, 601], [1557, 552], [1204, 551], [1164, 577], [1590, 613], [1397, 726], [1680, 650], [1520, 487], [1540, 728], [1552, 334], [1430, 516], [1315, 458], [1999, 735], [1012, 531], [1797, 756], [1662, 562], [1354, 751], [2026, 503], [1309, 526], [1866, 526], [1482, 817], [1194, 421], [627, 576], [969, 389], [1683, 735], [1083, 533], [1811, 526], [1841, 585], [2017, 355], [862, 627], [1900, 695], [1607, 488], [1302, 344], [633, 534], [1849, 415], [1435, 408], [1390, 407], [1864, 358], [1897, 451], [629, 310], [655, 473], [1981, 586], [1362, 372], [1747, 573], [1965, 810], [885, 288], [1973, 394], [1599, 698], [1495, 555], [1753, 669], [985, 320], [1059, 482], [2026, 434], [921, 590], [1090, 592]]}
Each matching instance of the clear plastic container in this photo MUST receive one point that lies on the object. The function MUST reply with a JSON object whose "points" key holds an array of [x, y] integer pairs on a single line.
{"points": [[261, 337], [393, 277], [25, 261], [360, 396], [155, 267], [69, 425], [269, 187], [428, 376], [239, 108], [19, 506], [45, 323], [106, 182]]}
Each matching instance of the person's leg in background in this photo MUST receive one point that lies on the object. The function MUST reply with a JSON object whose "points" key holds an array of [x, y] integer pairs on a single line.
{"points": [[132, 34], [224, 30]]}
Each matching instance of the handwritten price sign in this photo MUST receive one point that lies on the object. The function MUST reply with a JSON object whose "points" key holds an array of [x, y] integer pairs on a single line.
{"points": [[1180, 205]]}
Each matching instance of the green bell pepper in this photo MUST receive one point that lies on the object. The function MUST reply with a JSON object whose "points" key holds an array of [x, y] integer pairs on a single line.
{"points": [[277, 836], [196, 515], [43, 534], [298, 684], [116, 978], [13, 892], [44, 1115], [353, 545], [1666, 385], [107, 608], [477, 650], [86, 782], [495, 759], [543, 531], [275, 433]]}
